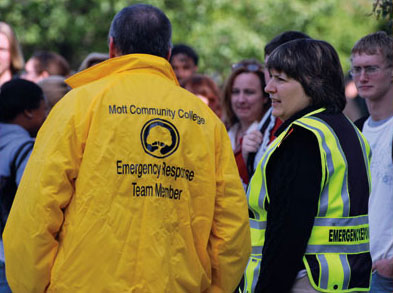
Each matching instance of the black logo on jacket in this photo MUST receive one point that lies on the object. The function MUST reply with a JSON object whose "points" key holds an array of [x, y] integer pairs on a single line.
{"points": [[159, 138]]}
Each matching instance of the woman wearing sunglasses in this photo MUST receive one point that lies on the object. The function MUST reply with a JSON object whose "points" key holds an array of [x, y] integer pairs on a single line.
{"points": [[244, 103], [309, 194]]}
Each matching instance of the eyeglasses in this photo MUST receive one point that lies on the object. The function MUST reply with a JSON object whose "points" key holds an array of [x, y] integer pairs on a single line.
{"points": [[368, 70], [253, 67]]}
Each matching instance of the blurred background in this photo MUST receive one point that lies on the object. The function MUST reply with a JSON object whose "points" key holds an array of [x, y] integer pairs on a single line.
{"points": [[221, 31]]}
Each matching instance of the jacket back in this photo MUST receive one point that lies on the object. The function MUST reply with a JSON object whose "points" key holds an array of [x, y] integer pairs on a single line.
{"points": [[134, 189]]}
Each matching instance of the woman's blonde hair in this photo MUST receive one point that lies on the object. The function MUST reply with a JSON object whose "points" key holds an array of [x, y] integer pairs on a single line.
{"points": [[17, 61]]}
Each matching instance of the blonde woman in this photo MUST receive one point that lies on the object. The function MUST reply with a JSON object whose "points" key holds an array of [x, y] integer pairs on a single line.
{"points": [[11, 58]]}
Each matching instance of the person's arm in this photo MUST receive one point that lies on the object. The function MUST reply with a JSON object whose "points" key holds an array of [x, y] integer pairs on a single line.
{"points": [[294, 180], [384, 267], [230, 242], [36, 217]]}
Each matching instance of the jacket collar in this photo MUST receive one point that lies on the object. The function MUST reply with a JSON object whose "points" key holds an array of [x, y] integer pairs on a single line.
{"points": [[294, 117], [155, 64]]}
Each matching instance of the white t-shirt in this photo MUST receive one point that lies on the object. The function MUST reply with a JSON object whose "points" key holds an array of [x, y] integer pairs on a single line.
{"points": [[380, 137]]}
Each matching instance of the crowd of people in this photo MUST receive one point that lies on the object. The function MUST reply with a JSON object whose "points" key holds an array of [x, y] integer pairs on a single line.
{"points": [[138, 173]]}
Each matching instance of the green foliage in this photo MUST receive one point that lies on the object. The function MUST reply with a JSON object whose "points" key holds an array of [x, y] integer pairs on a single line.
{"points": [[221, 31], [383, 9]]}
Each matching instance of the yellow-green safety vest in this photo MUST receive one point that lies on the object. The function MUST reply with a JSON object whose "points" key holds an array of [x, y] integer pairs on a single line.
{"points": [[340, 236]]}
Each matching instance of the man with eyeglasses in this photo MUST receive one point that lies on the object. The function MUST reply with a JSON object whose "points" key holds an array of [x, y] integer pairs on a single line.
{"points": [[371, 61]]}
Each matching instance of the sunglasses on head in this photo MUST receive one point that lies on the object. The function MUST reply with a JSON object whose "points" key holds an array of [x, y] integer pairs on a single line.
{"points": [[253, 67]]}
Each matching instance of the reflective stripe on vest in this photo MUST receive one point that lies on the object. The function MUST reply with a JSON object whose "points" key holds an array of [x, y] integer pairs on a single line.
{"points": [[366, 149], [336, 187], [256, 198], [251, 275], [335, 233], [343, 235], [338, 278], [256, 193]]}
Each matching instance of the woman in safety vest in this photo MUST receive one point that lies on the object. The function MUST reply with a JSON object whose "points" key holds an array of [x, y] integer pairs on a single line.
{"points": [[309, 194]]}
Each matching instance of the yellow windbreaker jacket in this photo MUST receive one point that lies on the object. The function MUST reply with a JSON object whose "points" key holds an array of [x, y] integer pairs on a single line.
{"points": [[131, 187]]}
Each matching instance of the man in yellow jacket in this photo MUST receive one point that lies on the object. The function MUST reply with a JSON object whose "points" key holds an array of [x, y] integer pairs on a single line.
{"points": [[132, 185]]}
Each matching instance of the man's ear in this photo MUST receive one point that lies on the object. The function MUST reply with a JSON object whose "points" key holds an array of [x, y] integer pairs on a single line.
{"points": [[28, 113], [169, 53], [113, 52]]}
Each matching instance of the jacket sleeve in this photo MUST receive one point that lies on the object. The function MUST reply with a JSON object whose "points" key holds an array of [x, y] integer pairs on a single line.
{"points": [[230, 242], [47, 185]]}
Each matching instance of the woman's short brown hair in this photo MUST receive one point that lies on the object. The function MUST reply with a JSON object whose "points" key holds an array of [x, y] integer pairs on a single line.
{"points": [[316, 65]]}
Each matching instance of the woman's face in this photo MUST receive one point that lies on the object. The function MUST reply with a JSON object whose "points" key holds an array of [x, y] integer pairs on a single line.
{"points": [[287, 95], [207, 96], [5, 56], [247, 100]]}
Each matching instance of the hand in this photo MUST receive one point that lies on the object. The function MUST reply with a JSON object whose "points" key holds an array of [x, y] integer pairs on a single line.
{"points": [[251, 143], [384, 267]]}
